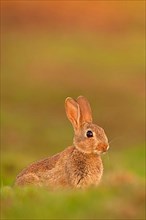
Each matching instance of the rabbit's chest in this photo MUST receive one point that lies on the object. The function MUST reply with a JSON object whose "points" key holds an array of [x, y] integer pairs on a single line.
{"points": [[84, 171]]}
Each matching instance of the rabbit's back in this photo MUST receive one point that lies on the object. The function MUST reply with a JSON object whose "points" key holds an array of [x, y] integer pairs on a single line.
{"points": [[49, 171], [40, 166]]}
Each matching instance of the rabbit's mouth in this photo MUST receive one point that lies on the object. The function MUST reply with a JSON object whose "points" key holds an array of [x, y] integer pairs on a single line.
{"points": [[98, 152], [102, 150]]}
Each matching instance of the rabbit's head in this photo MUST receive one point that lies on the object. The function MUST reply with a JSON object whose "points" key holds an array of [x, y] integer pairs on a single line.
{"points": [[88, 138]]}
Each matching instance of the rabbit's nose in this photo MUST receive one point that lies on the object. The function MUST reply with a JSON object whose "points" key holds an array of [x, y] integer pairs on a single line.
{"points": [[103, 147]]}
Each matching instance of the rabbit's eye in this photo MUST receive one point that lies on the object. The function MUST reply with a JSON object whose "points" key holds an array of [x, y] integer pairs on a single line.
{"points": [[89, 134]]}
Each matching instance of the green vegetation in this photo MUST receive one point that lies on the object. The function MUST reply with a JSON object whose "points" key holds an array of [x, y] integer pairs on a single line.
{"points": [[108, 201]]}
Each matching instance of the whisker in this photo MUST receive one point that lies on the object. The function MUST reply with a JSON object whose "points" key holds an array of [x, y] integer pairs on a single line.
{"points": [[114, 139], [108, 159], [108, 154]]}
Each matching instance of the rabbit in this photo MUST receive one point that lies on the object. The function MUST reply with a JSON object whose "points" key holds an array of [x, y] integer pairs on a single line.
{"points": [[78, 166]]}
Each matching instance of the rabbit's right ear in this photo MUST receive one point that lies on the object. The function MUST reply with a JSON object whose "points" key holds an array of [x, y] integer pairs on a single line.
{"points": [[86, 113], [73, 112]]}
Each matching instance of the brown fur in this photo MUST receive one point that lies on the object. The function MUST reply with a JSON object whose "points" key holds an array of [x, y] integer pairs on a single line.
{"points": [[78, 166]]}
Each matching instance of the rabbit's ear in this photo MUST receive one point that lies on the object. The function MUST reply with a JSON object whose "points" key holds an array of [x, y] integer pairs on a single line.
{"points": [[86, 113], [73, 112]]}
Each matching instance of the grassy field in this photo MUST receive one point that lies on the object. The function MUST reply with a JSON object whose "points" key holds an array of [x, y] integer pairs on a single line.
{"points": [[40, 69]]}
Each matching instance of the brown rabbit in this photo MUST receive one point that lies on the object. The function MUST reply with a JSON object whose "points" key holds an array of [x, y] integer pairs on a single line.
{"points": [[79, 165]]}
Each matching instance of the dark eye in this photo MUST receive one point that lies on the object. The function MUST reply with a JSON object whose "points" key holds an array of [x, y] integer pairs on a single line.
{"points": [[89, 134]]}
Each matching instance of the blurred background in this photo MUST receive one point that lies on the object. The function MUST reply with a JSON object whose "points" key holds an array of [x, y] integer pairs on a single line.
{"points": [[54, 49]]}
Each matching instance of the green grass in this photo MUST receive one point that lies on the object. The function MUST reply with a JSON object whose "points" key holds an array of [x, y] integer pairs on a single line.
{"points": [[109, 201]]}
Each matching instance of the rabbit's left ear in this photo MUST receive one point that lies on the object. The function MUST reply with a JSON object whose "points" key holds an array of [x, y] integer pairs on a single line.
{"points": [[86, 113], [73, 112]]}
